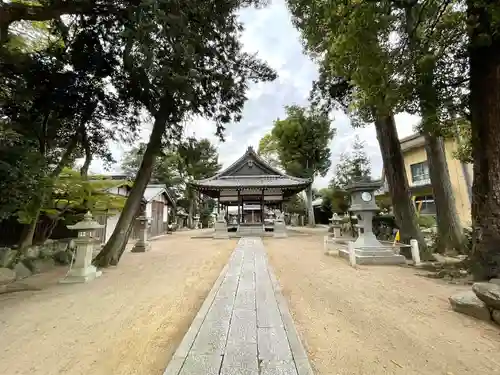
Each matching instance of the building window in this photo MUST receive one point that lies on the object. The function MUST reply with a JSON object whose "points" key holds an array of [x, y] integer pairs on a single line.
{"points": [[420, 172], [428, 204]]}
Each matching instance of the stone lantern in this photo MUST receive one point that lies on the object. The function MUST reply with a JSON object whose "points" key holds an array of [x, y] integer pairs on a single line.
{"points": [[196, 219], [82, 269], [142, 245], [367, 248], [336, 225]]}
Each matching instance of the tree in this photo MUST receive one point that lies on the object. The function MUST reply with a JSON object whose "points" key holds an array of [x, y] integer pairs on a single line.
{"points": [[166, 168], [484, 54], [72, 193], [358, 74], [430, 54], [56, 97], [180, 59], [353, 165], [303, 139], [268, 150], [199, 159]]}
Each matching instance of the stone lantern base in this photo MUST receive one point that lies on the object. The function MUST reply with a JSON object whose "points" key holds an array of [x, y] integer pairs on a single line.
{"points": [[375, 253], [279, 230], [141, 247], [81, 275], [221, 230]]}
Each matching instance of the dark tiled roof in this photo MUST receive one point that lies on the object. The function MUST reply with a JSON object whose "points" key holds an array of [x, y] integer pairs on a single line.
{"points": [[275, 178], [252, 181]]}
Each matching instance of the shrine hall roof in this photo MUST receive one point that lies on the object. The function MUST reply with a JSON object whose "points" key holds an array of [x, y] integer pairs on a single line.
{"points": [[251, 171]]}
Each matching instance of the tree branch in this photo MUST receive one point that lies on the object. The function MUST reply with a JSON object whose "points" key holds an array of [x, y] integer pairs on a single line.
{"points": [[13, 11]]}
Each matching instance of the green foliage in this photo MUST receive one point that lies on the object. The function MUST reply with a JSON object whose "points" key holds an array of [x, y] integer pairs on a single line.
{"points": [[302, 140], [71, 193], [353, 165], [166, 167], [268, 150], [427, 221], [295, 205], [334, 200]]}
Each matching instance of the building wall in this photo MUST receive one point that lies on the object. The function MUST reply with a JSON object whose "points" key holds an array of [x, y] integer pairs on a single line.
{"points": [[457, 178]]}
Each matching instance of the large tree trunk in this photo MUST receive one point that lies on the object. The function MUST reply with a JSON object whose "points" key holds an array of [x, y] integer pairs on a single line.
{"points": [[119, 238], [485, 122], [310, 209], [395, 173], [450, 229], [449, 226]]}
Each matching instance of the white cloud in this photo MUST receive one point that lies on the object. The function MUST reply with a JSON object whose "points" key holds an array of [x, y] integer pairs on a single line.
{"points": [[270, 33]]}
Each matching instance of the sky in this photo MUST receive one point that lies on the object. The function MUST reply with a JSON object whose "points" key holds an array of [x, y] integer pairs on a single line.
{"points": [[269, 33]]}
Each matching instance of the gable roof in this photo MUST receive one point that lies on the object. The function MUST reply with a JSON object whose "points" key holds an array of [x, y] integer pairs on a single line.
{"points": [[251, 171], [154, 190]]}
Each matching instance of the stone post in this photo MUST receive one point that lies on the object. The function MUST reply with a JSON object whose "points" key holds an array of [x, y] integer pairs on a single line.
{"points": [[82, 269], [352, 253], [142, 245], [415, 252]]}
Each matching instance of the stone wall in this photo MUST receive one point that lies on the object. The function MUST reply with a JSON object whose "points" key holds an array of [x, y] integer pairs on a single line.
{"points": [[15, 265]]}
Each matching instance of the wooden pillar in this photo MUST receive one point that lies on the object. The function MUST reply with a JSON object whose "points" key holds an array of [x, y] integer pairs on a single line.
{"points": [[239, 216], [262, 207], [218, 205]]}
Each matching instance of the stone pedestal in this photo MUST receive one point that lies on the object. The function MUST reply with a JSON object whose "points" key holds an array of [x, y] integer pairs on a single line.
{"points": [[279, 230], [82, 269], [142, 245], [367, 248], [221, 227]]}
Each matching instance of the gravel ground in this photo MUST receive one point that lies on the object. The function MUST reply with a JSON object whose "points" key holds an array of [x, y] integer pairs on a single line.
{"points": [[377, 319], [129, 321]]}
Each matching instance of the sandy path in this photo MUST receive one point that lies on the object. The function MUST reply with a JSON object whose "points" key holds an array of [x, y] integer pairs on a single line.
{"points": [[377, 320], [129, 321]]}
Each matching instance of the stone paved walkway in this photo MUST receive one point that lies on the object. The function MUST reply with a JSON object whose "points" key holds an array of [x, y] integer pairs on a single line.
{"points": [[244, 326]]}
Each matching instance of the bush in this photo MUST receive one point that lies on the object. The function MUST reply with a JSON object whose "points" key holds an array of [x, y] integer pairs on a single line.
{"points": [[427, 221]]}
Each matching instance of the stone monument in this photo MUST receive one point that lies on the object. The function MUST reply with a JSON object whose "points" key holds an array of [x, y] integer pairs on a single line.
{"points": [[142, 245], [82, 269], [279, 230], [336, 225], [221, 227], [367, 248]]}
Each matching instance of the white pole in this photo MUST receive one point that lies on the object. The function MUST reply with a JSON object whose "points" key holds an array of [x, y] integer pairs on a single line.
{"points": [[415, 253], [352, 254]]}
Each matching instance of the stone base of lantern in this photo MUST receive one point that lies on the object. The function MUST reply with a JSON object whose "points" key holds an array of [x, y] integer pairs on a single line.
{"points": [[81, 275], [374, 255], [141, 247], [279, 230], [221, 230]]}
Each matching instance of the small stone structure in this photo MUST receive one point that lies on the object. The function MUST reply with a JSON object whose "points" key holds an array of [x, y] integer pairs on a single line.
{"points": [[82, 270], [221, 227], [142, 245], [279, 230], [336, 225], [367, 248]]}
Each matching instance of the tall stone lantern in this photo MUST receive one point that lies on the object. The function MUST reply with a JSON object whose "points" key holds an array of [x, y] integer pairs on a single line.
{"points": [[368, 249], [82, 269]]}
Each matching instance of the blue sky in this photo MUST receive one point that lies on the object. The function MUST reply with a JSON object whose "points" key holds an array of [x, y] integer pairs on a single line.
{"points": [[270, 33]]}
